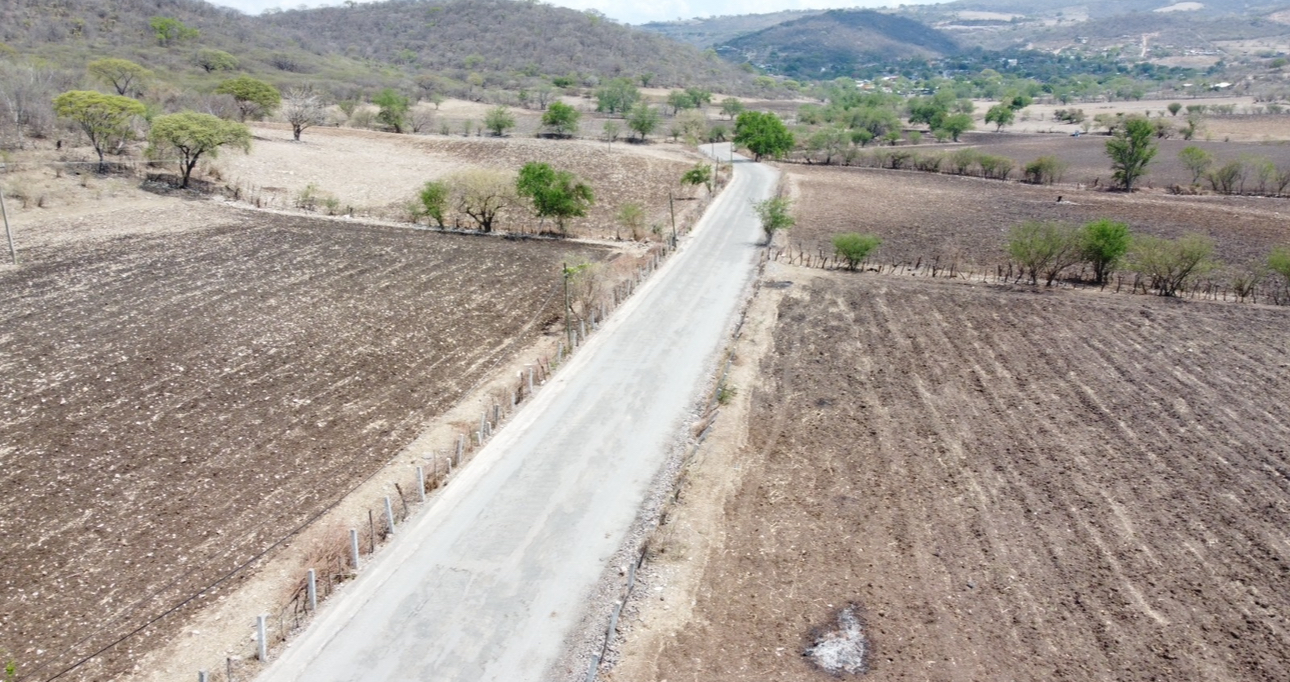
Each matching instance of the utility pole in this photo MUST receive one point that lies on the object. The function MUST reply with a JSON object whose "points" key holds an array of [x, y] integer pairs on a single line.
{"points": [[8, 233], [672, 209], [568, 329]]}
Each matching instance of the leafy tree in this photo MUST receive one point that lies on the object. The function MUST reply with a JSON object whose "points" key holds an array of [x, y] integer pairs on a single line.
{"points": [[680, 99], [1279, 262], [434, 197], [193, 135], [1228, 178], [499, 120], [1043, 249], [699, 96], [122, 74], [561, 119], [1103, 244], [255, 98], [1172, 264], [393, 107], [170, 31], [611, 132], [1197, 161], [107, 120], [855, 247], [701, 174], [617, 96], [303, 109], [1001, 115], [775, 214], [731, 107], [1045, 170], [632, 217], [215, 60], [1174, 108], [763, 134], [1132, 147], [643, 119], [555, 194], [482, 194], [956, 125]]}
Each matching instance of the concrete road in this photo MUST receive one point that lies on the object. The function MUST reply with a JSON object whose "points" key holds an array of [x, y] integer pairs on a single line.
{"points": [[487, 581]]}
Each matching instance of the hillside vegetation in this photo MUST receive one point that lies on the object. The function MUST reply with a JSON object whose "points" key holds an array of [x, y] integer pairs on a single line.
{"points": [[836, 41], [473, 42]]}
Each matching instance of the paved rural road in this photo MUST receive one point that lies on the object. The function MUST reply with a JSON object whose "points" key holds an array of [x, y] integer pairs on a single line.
{"points": [[486, 583]]}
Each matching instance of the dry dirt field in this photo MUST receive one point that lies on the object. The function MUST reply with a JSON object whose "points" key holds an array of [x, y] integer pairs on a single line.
{"points": [[1088, 162], [186, 382], [1004, 484], [928, 216], [379, 173]]}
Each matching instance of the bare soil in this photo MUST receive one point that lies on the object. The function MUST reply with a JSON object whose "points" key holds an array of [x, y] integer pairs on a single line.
{"points": [[180, 395], [966, 219], [378, 174], [1003, 484]]}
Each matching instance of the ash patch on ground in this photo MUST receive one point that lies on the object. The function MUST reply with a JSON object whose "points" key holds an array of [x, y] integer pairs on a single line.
{"points": [[841, 648]]}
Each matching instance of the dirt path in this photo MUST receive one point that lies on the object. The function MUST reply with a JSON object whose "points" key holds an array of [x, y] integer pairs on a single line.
{"points": [[489, 581]]}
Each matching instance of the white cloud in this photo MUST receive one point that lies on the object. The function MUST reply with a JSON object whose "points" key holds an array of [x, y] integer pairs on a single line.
{"points": [[636, 12]]}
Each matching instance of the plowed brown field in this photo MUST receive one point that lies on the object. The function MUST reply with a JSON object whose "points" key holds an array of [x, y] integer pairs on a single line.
{"points": [[175, 401], [1012, 485]]}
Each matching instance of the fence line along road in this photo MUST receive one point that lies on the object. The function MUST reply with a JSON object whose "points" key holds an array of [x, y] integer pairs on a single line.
{"points": [[486, 583]]}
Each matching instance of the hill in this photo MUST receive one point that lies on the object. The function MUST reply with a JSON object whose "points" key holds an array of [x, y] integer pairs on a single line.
{"points": [[713, 31], [494, 43], [834, 42]]}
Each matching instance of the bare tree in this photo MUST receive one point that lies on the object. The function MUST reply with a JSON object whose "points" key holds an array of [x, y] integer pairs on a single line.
{"points": [[421, 119], [303, 108], [482, 194]]}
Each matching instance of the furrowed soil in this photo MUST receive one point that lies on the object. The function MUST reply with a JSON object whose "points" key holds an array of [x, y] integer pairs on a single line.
{"points": [[1004, 483], [185, 383], [965, 220]]}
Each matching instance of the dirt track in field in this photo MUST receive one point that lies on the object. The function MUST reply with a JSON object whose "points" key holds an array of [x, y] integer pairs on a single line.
{"points": [[1011, 484], [176, 400], [929, 216]]}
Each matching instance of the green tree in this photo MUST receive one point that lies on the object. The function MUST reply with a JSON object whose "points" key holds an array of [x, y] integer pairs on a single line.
{"points": [[955, 125], [561, 119], [555, 194], [434, 197], [393, 107], [1001, 115], [701, 174], [775, 215], [193, 135], [170, 31], [107, 120], [255, 98], [763, 134], [854, 247], [1103, 244], [1132, 147], [215, 60], [731, 107], [611, 131], [1045, 170], [499, 120], [1170, 265], [680, 99], [631, 216], [643, 119], [617, 96], [1043, 249], [1197, 161], [1174, 108], [1279, 262], [122, 74]]}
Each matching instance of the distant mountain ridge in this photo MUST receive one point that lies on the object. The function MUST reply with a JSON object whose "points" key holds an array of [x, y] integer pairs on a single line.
{"points": [[836, 41]]}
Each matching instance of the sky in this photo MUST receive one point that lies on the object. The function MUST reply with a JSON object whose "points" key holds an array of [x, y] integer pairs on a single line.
{"points": [[633, 12]]}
